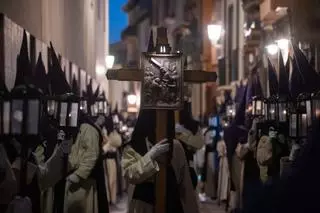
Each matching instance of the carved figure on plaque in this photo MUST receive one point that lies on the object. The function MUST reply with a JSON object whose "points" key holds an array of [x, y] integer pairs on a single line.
{"points": [[162, 82]]}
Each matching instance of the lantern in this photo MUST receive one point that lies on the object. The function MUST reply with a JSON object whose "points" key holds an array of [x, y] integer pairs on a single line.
{"points": [[257, 106], [298, 119], [282, 109], [23, 111], [67, 111], [270, 109], [4, 114], [83, 105], [313, 107], [231, 111], [305, 106]]}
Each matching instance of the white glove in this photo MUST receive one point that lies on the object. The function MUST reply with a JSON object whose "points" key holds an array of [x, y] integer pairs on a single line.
{"points": [[180, 129], [38, 154], [73, 178], [159, 149]]}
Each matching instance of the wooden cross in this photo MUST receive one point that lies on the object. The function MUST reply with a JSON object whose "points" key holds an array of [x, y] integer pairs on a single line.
{"points": [[190, 76]]}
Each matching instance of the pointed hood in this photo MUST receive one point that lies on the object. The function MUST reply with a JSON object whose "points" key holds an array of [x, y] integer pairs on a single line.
{"points": [[97, 92], [254, 85], [227, 101], [41, 79], [75, 87], [24, 71], [3, 87], [297, 84], [273, 79], [311, 78], [89, 94], [283, 89], [239, 91], [241, 110], [59, 84], [151, 42]]}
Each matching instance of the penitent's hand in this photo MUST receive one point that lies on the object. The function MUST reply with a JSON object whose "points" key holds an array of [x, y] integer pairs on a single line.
{"points": [[65, 147], [159, 149]]}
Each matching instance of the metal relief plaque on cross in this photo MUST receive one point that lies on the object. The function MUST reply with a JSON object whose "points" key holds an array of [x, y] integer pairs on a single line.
{"points": [[162, 83]]}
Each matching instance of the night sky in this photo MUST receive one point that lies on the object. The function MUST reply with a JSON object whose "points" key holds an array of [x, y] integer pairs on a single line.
{"points": [[117, 20]]}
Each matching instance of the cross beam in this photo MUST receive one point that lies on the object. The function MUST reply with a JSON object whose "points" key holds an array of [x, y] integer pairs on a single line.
{"points": [[190, 76]]}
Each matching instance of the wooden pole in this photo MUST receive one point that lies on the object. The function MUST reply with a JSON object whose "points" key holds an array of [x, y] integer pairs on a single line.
{"points": [[161, 179]]}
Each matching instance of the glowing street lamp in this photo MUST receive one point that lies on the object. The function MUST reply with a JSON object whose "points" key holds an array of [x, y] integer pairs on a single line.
{"points": [[132, 99], [109, 61], [214, 32], [272, 49]]}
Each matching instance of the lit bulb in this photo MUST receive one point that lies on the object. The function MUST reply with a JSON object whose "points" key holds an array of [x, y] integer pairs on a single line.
{"points": [[132, 99], [283, 44], [272, 49], [109, 61], [284, 112]]}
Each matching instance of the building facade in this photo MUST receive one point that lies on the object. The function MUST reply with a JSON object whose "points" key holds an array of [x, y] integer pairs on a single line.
{"points": [[78, 29]]}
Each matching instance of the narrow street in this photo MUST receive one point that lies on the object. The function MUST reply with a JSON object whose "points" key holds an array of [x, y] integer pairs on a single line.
{"points": [[207, 207]]}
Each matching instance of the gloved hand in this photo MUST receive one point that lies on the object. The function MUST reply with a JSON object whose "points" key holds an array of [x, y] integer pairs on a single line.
{"points": [[73, 181], [159, 149], [180, 129], [38, 154], [73, 178]]}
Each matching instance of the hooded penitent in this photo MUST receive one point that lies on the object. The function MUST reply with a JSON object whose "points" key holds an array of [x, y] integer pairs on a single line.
{"points": [[273, 79], [140, 169]]}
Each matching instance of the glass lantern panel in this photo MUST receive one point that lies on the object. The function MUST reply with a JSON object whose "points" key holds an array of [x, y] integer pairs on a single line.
{"points": [[33, 117], [63, 114], [51, 107], [259, 107], [94, 109], [73, 116], [254, 109], [272, 111], [105, 107], [100, 107], [84, 106], [115, 119], [309, 112], [282, 112], [303, 125], [17, 116], [316, 108], [293, 125], [6, 117]]}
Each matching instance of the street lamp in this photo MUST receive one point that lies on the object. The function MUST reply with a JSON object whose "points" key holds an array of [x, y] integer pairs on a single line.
{"points": [[132, 99], [109, 61], [214, 32]]}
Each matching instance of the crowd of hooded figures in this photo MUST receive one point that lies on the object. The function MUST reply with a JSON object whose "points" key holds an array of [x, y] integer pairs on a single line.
{"points": [[243, 161], [89, 179]]}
